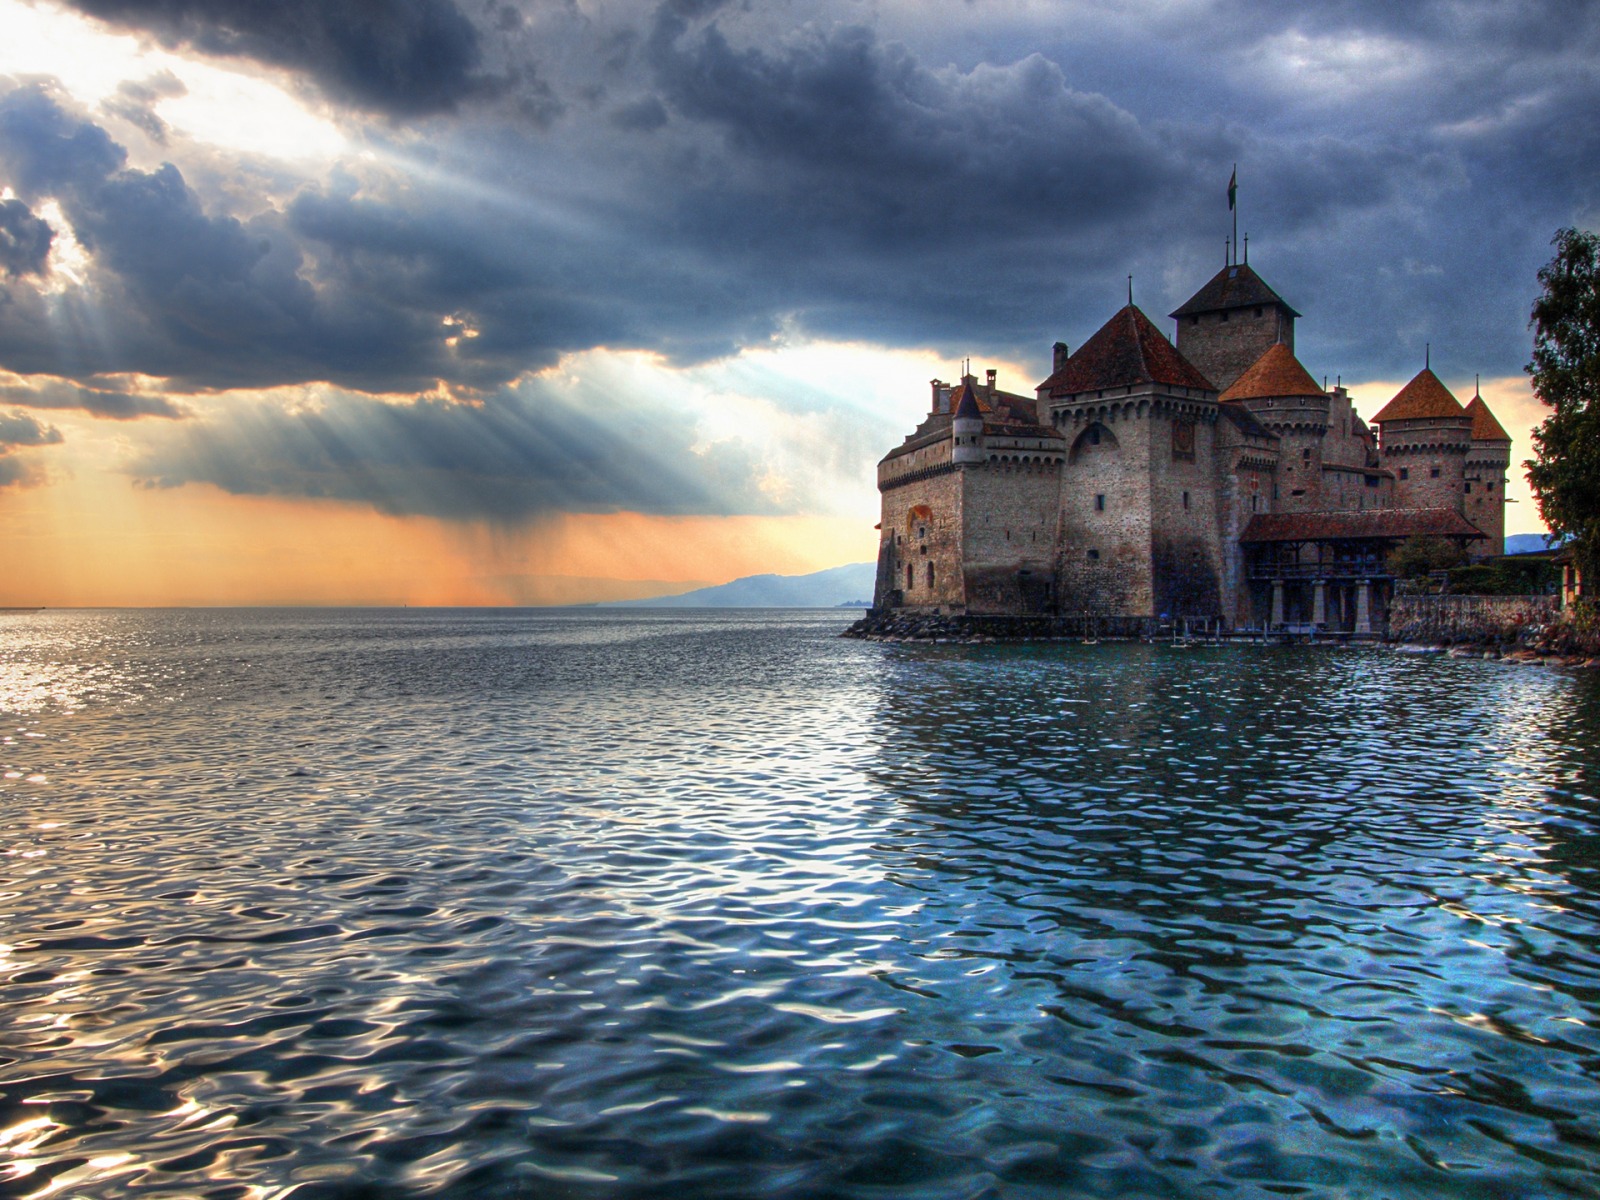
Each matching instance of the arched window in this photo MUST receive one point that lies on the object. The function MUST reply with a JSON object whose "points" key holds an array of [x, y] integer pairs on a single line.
{"points": [[930, 575]]}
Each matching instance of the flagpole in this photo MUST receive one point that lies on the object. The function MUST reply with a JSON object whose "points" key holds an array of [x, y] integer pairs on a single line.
{"points": [[1233, 192]]}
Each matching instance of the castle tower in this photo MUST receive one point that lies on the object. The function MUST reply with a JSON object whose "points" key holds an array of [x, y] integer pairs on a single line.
{"points": [[1484, 486], [1281, 394], [1231, 322], [1423, 437], [1138, 517], [966, 425]]}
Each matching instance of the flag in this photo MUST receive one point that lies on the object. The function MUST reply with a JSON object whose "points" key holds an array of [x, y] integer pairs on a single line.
{"points": [[1233, 187]]}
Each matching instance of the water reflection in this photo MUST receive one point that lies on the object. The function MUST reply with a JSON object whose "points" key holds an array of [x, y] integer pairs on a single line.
{"points": [[599, 905], [1294, 912]]}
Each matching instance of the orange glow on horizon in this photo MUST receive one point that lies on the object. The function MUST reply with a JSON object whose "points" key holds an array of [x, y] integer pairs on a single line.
{"points": [[77, 547]]}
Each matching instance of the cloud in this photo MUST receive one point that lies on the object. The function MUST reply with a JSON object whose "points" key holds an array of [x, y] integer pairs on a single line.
{"points": [[540, 448], [135, 102], [18, 430], [721, 180], [24, 240], [97, 402], [402, 57]]}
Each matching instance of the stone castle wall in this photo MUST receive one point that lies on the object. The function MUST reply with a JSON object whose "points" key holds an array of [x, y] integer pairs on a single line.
{"points": [[1185, 550], [922, 527], [1485, 484], [1429, 460], [1103, 563], [1009, 537]]}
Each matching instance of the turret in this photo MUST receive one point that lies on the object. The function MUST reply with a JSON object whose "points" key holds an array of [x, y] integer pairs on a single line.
{"points": [[1281, 394], [1484, 483], [1423, 437], [966, 427]]}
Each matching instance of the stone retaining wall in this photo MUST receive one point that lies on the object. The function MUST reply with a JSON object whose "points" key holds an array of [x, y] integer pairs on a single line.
{"points": [[897, 625], [1449, 620]]}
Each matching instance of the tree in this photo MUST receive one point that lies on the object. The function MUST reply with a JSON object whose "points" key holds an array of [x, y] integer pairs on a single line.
{"points": [[1419, 555], [1565, 475]]}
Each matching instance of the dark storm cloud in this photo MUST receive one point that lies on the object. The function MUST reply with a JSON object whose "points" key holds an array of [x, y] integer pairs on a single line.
{"points": [[24, 240], [201, 299], [719, 177], [525, 454], [405, 57]]}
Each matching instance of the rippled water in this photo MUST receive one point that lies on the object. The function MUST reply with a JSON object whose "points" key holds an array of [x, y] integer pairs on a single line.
{"points": [[595, 904]]}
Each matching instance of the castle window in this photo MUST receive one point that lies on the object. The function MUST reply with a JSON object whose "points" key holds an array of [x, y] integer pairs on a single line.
{"points": [[1258, 312], [1223, 318], [1099, 503], [1305, 455], [1186, 502], [1405, 472], [922, 532], [1468, 487], [930, 575], [1489, 487], [1094, 435], [1094, 556], [911, 580], [1434, 473], [1372, 481]]}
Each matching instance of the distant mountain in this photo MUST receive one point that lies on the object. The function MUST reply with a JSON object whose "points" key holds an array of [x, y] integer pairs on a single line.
{"points": [[1524, 543], [832, 588]]}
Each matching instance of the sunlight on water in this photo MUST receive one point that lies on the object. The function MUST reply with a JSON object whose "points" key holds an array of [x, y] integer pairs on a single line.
{"points": [[342, 904]]}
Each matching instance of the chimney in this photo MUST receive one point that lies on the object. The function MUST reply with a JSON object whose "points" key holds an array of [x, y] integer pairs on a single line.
{"points": [[1059, 356], [990, 374], [936, 385]]}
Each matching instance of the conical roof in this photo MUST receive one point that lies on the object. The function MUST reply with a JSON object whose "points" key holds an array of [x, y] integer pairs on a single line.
{"points": [[1484, 426], [1421, 399], [964, 405], [1125, 351], [1235, 286], [1276, 373]]}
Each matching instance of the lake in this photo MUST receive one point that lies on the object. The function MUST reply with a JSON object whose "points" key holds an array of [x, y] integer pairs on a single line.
{"points": [[594, 903]]}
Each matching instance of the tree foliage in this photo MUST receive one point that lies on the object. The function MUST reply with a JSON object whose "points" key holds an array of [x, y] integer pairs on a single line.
{"points": [[1565, 474], [1419, 555]]}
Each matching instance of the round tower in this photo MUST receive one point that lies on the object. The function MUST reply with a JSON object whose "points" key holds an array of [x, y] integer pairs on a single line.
{"points": [[1484, 485], [1423, 437], [966, 426], [1281, 394]]}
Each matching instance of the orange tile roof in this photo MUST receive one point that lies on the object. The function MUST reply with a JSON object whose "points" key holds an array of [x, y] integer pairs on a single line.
{"points": [[1276, 373], [1423, 398], [1125, 351], [1484, 427]]}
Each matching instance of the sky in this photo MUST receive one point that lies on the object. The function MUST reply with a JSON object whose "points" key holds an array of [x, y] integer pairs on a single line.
{"points": [[502, 302]]}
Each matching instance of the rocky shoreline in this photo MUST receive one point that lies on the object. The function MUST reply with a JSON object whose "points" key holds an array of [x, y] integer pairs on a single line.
{"points": [[1558, 643]]}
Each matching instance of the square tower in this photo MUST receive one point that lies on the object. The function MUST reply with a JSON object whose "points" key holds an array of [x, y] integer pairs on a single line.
{"points": [[1230, 323]]}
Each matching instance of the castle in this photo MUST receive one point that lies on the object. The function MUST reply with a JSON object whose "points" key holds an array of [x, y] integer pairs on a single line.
{"points": [[1212, 481]]}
